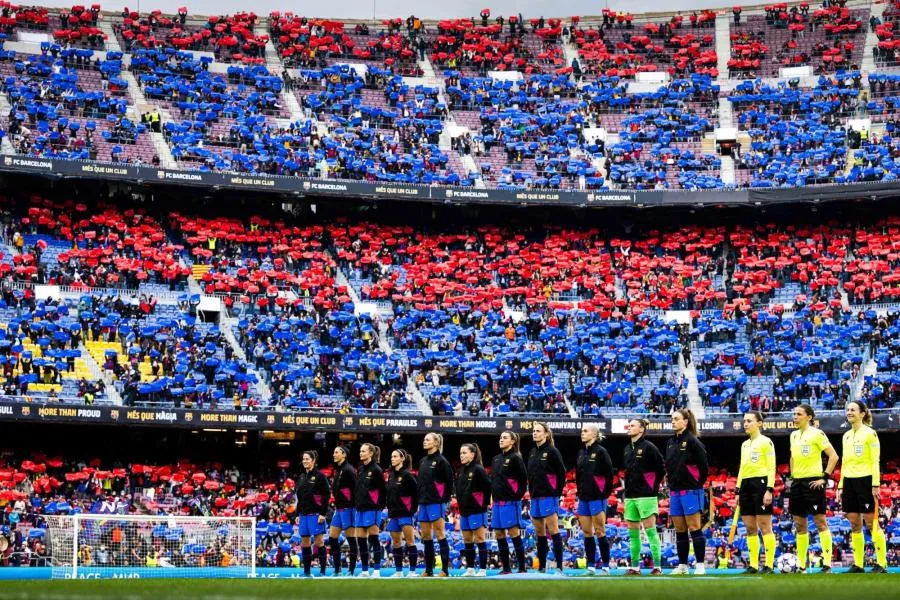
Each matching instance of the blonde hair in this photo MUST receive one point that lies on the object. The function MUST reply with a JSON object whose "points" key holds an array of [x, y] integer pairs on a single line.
{"points": [[595, 427], [547, 429], [642, 422], [439, 438]]}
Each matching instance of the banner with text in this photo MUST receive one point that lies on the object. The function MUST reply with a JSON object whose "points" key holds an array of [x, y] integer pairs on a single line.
{"points": [[716, 425], [345, 189]]}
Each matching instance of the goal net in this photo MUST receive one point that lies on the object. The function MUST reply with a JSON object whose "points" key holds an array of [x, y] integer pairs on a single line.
{"points": [[101, 546]]}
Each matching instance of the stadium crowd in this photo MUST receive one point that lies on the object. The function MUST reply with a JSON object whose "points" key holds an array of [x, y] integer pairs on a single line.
{"points": [[482, 319], [366, 113]]}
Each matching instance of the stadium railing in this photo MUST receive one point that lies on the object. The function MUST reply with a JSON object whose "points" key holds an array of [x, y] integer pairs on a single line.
{"points": [[350, 410], [342, 188], [42, 400], [70, 290]]}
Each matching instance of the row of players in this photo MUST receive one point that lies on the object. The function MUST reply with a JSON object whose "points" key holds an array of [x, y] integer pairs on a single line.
{"points": [[360, 495]]}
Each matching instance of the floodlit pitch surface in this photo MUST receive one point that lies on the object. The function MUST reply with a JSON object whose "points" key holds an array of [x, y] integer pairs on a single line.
{"points": [[719, 587]]}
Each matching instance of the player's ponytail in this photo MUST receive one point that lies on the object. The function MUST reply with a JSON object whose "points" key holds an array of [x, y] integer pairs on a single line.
{"points": [[406, 458], [313, 455], [808, 410], [439, 440], [547, 430], [595, 427], [376, 452], [691, 419], [644, 423], [865, 413], [515, 439], [474, 449]]}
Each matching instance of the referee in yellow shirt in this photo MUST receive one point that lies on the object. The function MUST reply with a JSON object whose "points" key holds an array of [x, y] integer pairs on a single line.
{"points": [[859, 489], [756, 486], [808, 484]]}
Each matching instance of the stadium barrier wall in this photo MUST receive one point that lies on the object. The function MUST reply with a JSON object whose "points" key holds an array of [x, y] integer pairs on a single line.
{"points": [[300, 187], [45, 573], [712, 425]]}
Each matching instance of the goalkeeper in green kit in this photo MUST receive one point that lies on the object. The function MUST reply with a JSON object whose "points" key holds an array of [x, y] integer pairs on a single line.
{"points": [[644, 472]]}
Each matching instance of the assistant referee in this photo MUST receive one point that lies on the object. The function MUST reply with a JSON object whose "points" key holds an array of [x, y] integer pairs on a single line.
{"points": [[808, 484], [859, 488], [756, 488]]}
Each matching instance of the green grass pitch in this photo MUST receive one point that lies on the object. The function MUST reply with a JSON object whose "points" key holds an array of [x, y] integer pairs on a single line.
{"points": [[799, 587]]}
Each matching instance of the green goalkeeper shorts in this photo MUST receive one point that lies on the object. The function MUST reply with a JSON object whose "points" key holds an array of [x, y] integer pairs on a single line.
{"points": [[638, 509]]}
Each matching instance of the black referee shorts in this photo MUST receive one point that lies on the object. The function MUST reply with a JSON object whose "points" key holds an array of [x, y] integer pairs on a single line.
{"points": [[857, 495], [751, 498], [805, 500]]}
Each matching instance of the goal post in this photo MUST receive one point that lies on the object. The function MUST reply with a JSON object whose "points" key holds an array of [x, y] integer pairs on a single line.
{"points": [[105, 546]]}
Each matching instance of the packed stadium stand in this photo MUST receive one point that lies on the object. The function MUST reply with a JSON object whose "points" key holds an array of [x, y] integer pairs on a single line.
{"points": [[310, 42], [615, 101], [467, 318], [885, 27], [828, 39], [68, 104], [625, 44], [76, 27], [471, 318]]}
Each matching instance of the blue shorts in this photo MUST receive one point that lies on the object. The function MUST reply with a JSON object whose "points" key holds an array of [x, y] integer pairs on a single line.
{"points": [[473, 522], [506, 514], [365, 518], [310, 526], [544, 507], [591, 508], [429, 513], [398, 523], [342, 518], [686, 502]]}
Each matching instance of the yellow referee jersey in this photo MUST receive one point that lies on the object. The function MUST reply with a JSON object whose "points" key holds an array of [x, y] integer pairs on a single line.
{"points": [[806, 452], [758, 460], [862, 455]]}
